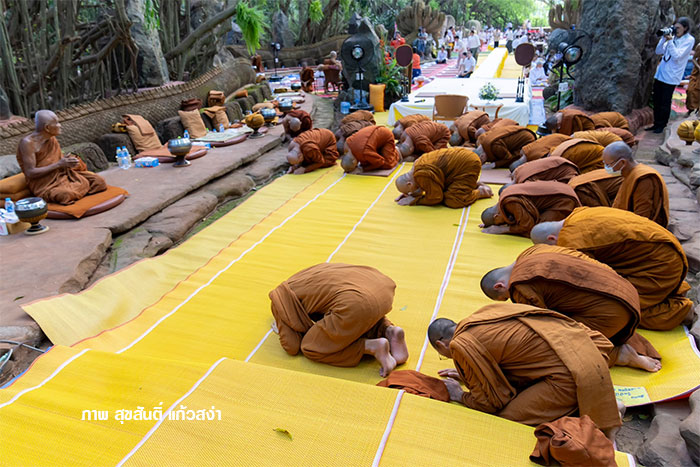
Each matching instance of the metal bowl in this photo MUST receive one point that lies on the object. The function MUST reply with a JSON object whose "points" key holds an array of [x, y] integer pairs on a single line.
{"points": [[268, 114], [179, 146], [29, 209], [296, 86], [285, 105]]}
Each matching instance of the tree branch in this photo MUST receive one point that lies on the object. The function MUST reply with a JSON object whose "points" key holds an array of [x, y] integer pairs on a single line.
{"points": [[189, 41]]}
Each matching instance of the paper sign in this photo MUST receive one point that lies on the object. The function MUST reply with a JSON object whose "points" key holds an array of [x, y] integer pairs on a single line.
{"points": [[631, 395], [563, 87]]}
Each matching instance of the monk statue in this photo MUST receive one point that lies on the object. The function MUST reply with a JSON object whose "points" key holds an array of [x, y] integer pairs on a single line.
{"points": [[501, 146], [334, 313], [296, 122], [371, 148], [311, 150], [527, 364], [638, 249], [643, 190], [569, 121], [449, 176], [402, 124], [596, 188], [51, 175], [576, 285], [423, 137]]}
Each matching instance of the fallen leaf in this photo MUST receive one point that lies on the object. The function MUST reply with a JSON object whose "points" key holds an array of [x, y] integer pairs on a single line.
{"points": [[627, 418], [284, 432], [18, 298], [456, 225]]}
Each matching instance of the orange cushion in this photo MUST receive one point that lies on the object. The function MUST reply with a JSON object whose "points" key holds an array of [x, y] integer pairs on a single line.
{"points": [[82, 206], [193, 123], [14, 184]]}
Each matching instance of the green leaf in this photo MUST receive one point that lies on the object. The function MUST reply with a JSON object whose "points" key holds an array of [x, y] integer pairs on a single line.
{"points": [[18, 298], [315, 11], [284, 432], [251, 21]]}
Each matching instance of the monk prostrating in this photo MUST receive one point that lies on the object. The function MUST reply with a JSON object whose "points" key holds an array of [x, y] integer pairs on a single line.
{"points": [[51, 175], [423, 137], [610, 119], [495, 123], [569, 121], [538, 149], [643, 190], [523, 205], [640, 250], [575, 285], [449, 176], [371, 148], [296, 122], [311, 150], [347, 130], [334, 313], [501, 146], [626, 136], [596, 188], [552, 168], [365, 115], [403, 123], [587, 155], [602, 137], [527, 364], [464, 128]]}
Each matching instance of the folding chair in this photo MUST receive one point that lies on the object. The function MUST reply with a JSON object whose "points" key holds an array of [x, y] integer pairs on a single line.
{"points": [[449, 107]]}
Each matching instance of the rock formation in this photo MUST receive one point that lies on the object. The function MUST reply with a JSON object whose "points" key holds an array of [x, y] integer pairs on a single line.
{"points": [[416, 15], [368, 40], [153, 69], [280, 29], [5, 113]]}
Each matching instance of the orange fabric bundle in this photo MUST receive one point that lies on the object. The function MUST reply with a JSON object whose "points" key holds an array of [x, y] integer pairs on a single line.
{"points": [[374, 148], [543, 146], [572, 441], [414, 382]]}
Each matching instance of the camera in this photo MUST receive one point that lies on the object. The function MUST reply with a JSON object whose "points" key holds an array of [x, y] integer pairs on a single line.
{"points": [[669, 31]]}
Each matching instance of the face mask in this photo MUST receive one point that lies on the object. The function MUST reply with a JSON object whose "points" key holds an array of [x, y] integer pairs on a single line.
{"points": [[611, 169]]}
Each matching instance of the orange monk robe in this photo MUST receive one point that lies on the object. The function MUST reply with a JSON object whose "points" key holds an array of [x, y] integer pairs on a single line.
{"points": [[626, 136], [610, 119], [553, 168], [307, 79], [448, 176], [641, 251], [532, 365], [468, 123], [502, 144], [374, 148], [304, 118], [328, 310], [522, 205], [498, 122], [596, 188], [543, 146], [428, 136], [587, 155], [318, 147], [412, 119], [350, 128], [643, 192], [64, 185], [602, 137], [692, 100], [574, 120], [359, 115]]}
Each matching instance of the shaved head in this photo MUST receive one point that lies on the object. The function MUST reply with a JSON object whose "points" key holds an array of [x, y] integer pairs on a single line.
{"points": [[552, 123], [348, 162], [455, 138], [442, 329], [495, 283], [618, 150], [406, 147], [406, 184], [398, 130], [43, 118], [546, 232], [488, 217], [294, 156], [294, 124], [518, 163]]}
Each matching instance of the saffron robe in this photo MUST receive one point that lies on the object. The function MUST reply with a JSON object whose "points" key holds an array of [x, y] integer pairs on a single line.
{"points": [[307, 79], [412, 119], [502, 145], [610, 119], [587, 155], [641, 251], [523, 205], [359, 115], [602, 137], [552, 168], [350, 128], [468, 123], [596, 188], [417, 383], [305, 119], [574, 120], [543, 146], [64, 185], [374, 148], [692, 100], [318, 147], [532, 365], [498, 122], [626, 136], [428, 136], [643, 192], [328, 310], [448, 176]]}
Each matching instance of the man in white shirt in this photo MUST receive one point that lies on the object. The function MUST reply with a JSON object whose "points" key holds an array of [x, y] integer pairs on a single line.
{"points": [[458, 49], [509, 39], [675, 50], [468, 65], [474, 44]]}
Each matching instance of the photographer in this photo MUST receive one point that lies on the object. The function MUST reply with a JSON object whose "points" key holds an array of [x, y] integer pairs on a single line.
{"points": [[675, 50]]}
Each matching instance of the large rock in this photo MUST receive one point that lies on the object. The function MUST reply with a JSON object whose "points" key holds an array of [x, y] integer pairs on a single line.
{"points": [[152, 67], [280, 29], [91, 154], [368, 40], [5, 112], [621, 51], [8, 166], [663, 445], [690, 428], [692, 251]]}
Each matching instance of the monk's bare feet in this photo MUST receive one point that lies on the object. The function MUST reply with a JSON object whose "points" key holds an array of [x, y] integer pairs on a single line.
{"points": [[629, 357], [381, 350], [397, 344]]}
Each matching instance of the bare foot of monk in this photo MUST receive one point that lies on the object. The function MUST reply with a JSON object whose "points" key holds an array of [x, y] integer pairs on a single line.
{"points": [[380, 349], [629, 357], [397, 344]]}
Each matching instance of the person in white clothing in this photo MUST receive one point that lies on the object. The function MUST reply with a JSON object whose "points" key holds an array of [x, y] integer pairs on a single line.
{"points": [[468, 65], [458, 49], [474, 44], [674, 50], [537, 75], [509, 39]]}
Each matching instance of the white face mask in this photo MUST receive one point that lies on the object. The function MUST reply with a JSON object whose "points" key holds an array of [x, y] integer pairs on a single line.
{"points": [[611, 169]]}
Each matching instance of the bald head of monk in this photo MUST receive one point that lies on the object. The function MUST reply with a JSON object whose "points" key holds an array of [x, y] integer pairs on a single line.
{"points": [[546, 232], [45, 121], [554, 122], [479, 151], [406, 146], [488, 217], [495, 283], [479, 132], [348, 162], [440, 334], [294, 156], [455, 138], [398, 130], [294, 123], [500, 190], [618, 158], [406, 184], [519, 162]]}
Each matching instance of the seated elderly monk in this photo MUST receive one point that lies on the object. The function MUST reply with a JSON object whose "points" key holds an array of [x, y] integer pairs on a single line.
{"points": [[346, 130], [569, 121], [528, 365], [463, 130], [643, 190], [523, 205], [372, 148], [334, 313], [640, 250], [538, 149], [423, 137], [610, 119], [587, 155], [311, 150], [549, 168], [51, 175], [575, 285], [449, 176], [403, 123], [359, 115], [501, 146], [296, 122], [602, 137], [596, 188]]}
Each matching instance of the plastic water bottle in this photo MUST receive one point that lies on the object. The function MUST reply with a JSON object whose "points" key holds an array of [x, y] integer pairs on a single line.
{"points": [[122, 159], [221, 128], [128, 156], [9, 206], [186, 134]]}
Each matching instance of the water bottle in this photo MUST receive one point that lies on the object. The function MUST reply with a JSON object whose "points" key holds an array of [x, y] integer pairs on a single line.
{"points": [[221, 128], [186, 134], [122, 159], [9, 206], [128, 156]]}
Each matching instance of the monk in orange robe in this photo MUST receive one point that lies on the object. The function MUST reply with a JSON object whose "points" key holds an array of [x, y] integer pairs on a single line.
{"points": [[643, 190], [626, 136], [569, 121], [423, 137], [640, 250], [575, 285], [596, 188], [449, 176], [610, 119], [463, 130], [334, 313], [359, 115], [347, 130], [523, 205], [538, 149], [528, 365], [403, 123], [372, 148], [311, 150], [602, 137], [307, 79], [296, 122], [51, 175], [495, 123], [692, 100], [549, 168], [501, 146], [587, 155]]}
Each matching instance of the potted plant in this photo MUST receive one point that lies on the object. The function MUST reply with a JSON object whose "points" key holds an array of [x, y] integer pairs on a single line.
{"points": [[488, 92], [390, 75]]}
